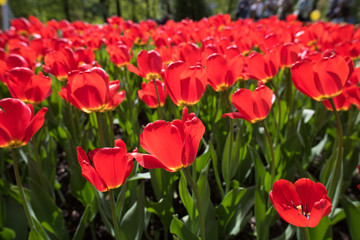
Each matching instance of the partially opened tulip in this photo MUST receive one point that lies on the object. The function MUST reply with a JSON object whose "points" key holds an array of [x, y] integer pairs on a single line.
{"points": [[149, 63], [252, 106], [91, 91], [321, 79], [262, 67], [223, 73], [108, 168], [148, 94], [18, 123], [301, 204], [172, 145], [185, 84], [28, 87]]}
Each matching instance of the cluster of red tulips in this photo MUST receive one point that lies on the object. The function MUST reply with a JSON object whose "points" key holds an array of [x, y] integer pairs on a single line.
{"points": [[72, 73]]}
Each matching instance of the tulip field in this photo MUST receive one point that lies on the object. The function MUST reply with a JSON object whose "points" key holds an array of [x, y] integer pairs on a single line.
{"points": [[209, 129]]}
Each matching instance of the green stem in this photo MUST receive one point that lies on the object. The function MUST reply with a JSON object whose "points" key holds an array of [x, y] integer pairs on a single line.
{"points": [[38, 163], [113, 213], [227, 186], [279, 116], [21, 190], [111, 122], [74, 133], [158, 99], [198, 202], [272, 165], [101, 133], [304, 233], [337, 166]]}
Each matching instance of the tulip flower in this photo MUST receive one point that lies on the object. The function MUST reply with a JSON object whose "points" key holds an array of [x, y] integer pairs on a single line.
{"points": [[172, 145], [341, 102], [223, 73], [91, 91], [28, 87], [185, 84], [108, 168], [252, 106], [119, 54], [301, 204], [353, 94], [9, 62], [321, 79], [149, 63], [18, 123], [148, 95], [262, 67]]}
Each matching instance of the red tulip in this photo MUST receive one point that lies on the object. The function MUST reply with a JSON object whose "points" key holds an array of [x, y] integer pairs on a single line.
{"points": [[148, 95], [119, 54], [91, 91], [28, 87], [252, 106], [149, 63], [18, 123], [108, 168], [185, 84], [301, 204], [288, 54], [60, 63], [262, 67], [9, 62], [223, 73], [172, 145], [353, 93], [341, 102], [321, 79]]}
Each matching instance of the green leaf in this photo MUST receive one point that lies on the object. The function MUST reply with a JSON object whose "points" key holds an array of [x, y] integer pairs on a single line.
{"points": [[178, 228], [80, 230], [186, 198], [47, 212], [204, 189], [7, 233], [37, 232], [322, 231], [352, 216], [132, 225], [226, 211], [287, 234]]}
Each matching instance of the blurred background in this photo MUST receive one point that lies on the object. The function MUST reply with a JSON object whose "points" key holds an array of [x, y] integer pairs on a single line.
{"points": [[96, 11]]}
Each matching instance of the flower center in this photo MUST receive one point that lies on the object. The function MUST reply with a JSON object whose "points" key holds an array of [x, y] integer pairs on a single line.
{"points": [[303, 210]]}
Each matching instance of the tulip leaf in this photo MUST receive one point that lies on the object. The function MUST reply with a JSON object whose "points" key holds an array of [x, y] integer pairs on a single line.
{"points": [[133, 222], [37, 232], [352, 216], [231, 211], [80, 230], [203, 159], [186, 198], [7, 233], [47, 212], [322, 231], [337, 215], [179, 229], [287, 234], [163, 209], [204, 189]]}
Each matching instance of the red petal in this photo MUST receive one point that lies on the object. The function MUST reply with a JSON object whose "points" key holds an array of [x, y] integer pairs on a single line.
{"points": [[163, 141], [35, 124]]}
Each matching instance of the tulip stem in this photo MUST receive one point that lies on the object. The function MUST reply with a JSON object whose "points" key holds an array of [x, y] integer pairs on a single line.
{"points": [[101, 133], [337, 177], [304, 233], [227, 185], [198, 202], [113, 213], [279, 112], [21, 190], [158, 99], [272, 165]]}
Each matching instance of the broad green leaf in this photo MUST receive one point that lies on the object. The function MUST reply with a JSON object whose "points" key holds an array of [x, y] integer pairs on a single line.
{"points": [[352, 216], [322, 231], [186, 198], [227, 210], [132, 224], [37, 232], [287, 234], [179, 229], [7, 233], [47, 212], [204, 189]]}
